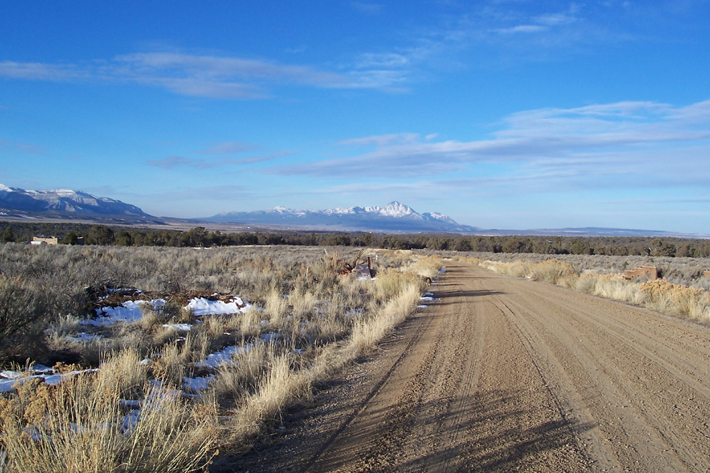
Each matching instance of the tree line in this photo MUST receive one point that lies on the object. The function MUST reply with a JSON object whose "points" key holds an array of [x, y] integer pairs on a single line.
{"points": [[70, 233]]}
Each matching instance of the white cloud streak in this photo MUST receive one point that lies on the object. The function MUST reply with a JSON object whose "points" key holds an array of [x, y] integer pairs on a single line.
{"points": [[641, 143], [173, 162], [198, 75], [14, 146], [227, 147]]}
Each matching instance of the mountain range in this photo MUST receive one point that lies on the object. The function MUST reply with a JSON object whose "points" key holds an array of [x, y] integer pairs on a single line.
{"points": [[395, 217], [64, 202]]}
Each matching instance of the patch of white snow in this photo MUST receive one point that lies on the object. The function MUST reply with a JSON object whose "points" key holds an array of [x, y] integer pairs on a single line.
{"points": [[202, 306]]}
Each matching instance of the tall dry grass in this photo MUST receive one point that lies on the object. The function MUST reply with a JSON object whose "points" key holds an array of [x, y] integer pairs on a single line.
{"points": [[661, 296], [368, 331], [313, 322], [283, 384], [83, 424]]}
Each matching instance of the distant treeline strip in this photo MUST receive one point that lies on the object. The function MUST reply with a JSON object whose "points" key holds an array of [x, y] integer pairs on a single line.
{"points": [[68, 233]]}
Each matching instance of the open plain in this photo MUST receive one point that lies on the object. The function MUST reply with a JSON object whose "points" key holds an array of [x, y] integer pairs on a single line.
{"points": [[504, 374]]}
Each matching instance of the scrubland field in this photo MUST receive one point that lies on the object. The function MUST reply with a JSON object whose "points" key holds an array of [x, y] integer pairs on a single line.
{"points": [[156, 359], [169, 359]]}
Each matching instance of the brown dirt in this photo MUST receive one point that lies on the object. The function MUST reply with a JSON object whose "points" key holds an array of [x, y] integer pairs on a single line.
{"points": [[508, 374]]}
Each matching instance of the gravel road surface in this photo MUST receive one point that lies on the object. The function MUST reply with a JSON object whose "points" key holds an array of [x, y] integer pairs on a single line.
{"points": [[506, 374]]}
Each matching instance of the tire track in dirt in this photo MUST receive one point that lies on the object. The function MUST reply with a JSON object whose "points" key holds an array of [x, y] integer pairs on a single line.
{"points": [[508, 374], [642, 394], [455, 411]]}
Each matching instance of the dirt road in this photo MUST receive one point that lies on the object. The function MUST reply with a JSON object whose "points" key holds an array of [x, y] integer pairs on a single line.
{"points": [[508, 374]]}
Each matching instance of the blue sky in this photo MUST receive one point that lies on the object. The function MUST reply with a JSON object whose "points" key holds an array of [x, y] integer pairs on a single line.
{"points": [[502, 114]]}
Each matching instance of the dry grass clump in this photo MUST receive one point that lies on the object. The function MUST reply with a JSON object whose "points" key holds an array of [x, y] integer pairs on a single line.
{"points": [[610, 286], [83, 424], [426, 266], [236, 380], [368, 331], [685, 271], [276, 306], [392, 282], [276, 389], [466, 259], [280, 378], [660, 295], [518, 269], [678, 300], [551, 272]]}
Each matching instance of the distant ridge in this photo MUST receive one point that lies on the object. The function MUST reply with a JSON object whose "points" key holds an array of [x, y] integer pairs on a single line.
{"points": [[63, 202], [394, 217]]}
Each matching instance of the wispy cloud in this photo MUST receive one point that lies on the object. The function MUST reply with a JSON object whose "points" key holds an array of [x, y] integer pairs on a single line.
{"points": [[382, 140], [40, 71], [641, 143], [522, 29], [507, 32], [210, 193], [504, 32], [172, 162], [227, 147], [367, 8], [197, 75], [13, 146]]}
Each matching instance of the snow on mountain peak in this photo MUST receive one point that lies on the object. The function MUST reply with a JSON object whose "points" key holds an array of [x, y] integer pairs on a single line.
{"points": [[64, 200], [395, 216], [395, 209]]}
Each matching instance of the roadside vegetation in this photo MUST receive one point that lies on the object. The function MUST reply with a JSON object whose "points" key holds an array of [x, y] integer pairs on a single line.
{"points": [[156, 359], [681, 293]]}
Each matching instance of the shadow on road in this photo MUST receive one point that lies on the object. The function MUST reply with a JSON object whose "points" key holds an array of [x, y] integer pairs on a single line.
{"points": [[484, 432]]}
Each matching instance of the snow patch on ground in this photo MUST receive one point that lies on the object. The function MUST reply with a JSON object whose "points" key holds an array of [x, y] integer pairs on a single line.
{"points": [[129, 311], [9, 378], [83, 337], [197, 384], [270, 337], [129, 403], [132, 311], [130, 420], [202, 306], [222, 357], [179, 327]]}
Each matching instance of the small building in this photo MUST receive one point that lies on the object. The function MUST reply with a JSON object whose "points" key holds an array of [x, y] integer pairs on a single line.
{"points": [[44, 241], [650, 272]]}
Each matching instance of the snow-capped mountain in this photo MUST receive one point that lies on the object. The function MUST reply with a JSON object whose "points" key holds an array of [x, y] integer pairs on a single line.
{"points": [[392, 217], [64, 201]]}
